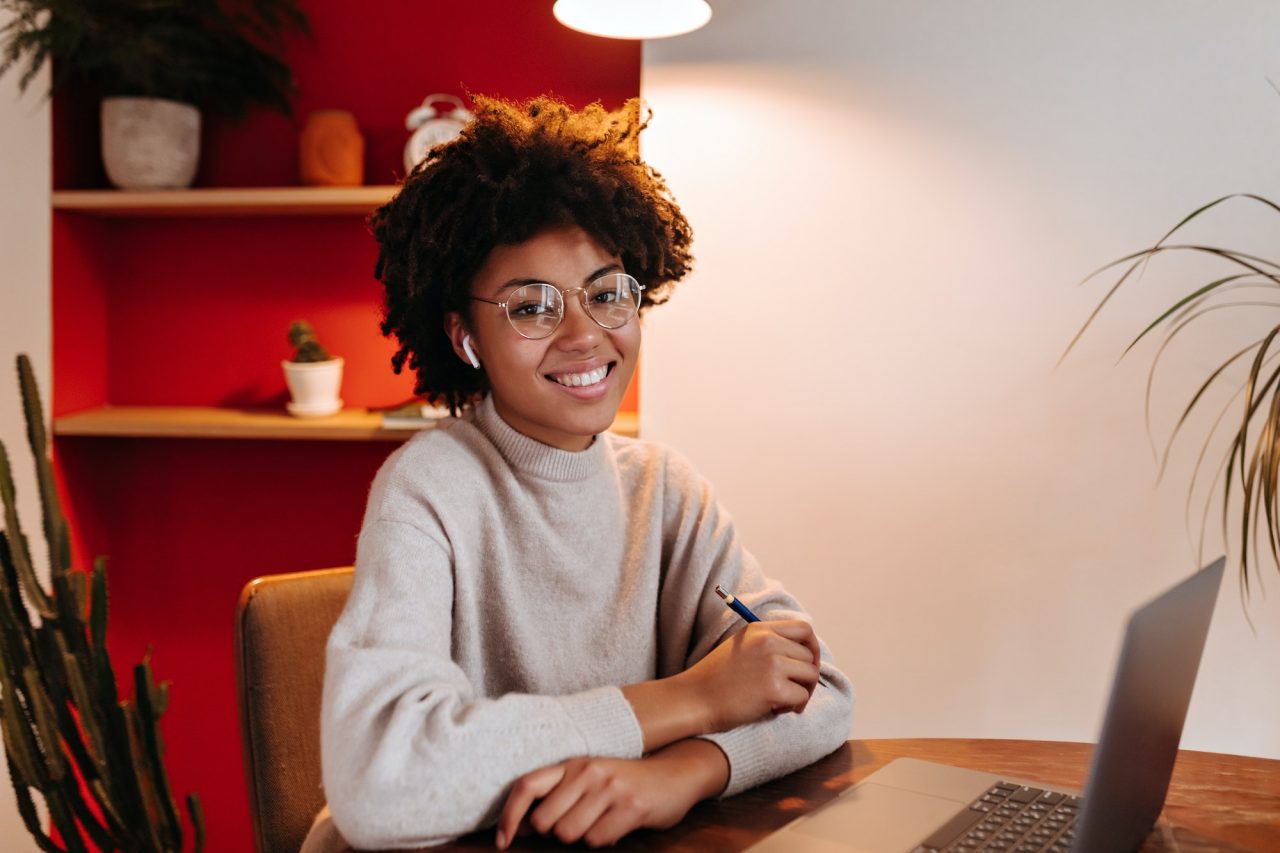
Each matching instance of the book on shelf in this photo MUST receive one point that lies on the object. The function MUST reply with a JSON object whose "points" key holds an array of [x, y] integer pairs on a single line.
{"points": [[414, 415]]}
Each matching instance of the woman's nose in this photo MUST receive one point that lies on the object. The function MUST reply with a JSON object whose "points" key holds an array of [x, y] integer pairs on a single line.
{"points": [[577, 329]]}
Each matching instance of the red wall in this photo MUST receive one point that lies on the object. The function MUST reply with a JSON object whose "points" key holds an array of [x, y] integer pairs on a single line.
{"points": [[192, 311]]}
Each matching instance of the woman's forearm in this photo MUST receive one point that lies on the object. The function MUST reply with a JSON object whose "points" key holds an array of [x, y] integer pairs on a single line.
{"points": [[668, 710], [698, 762]]}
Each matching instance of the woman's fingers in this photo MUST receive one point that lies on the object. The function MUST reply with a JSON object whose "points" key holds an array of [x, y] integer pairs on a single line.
{"points": [[611, 826], [793, 659], [800, 633], [794, 685], [524, 792], [581, 778], [766, 667], [581, 815], [588, 789]]}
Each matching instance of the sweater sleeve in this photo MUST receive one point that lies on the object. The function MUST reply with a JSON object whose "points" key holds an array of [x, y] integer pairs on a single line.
{"points": [[411, 755], [702, 549]]}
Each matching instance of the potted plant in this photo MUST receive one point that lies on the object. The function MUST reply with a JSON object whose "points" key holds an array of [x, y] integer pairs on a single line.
{"points": [[313, 375], [1249, 470], [95, 757], [158, 63]]}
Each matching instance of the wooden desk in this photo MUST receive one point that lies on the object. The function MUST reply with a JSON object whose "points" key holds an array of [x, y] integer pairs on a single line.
{"points": [[1215, 802]]}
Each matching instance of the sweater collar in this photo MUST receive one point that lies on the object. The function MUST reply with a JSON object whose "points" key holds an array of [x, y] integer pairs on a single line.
{"points": [[530, 456]]}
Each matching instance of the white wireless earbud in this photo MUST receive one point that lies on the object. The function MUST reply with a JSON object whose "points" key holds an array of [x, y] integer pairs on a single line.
{"points": [[471, 354]]}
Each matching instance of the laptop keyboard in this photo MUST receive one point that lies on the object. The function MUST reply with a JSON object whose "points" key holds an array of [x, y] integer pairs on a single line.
{"points": [[1012, 818]]}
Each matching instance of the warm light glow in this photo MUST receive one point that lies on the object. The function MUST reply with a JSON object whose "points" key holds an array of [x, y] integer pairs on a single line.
{"points": [[633, 19]]}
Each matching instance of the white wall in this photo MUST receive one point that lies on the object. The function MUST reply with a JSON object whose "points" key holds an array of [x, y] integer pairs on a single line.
{"points": [[24, 312], [893, 202]]}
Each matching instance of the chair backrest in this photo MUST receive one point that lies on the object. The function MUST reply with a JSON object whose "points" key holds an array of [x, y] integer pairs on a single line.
{"points": [[282, 623]]}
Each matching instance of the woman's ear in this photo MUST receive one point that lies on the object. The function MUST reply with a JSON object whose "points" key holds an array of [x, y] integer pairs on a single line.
{"points": [[463, 343]]}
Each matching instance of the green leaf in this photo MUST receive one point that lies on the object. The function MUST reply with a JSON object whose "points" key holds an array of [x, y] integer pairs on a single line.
{"points": [[63, 819], [19, 552], [27, 809], [145, 692], [15, 619], [77, 583], [98, 604], [1190, 297], [18, 745], [196, 811], [1251, 466], [1195, 399], [1195, 470], [54, 523], [145, 781], [87, 713], [46, 727]]}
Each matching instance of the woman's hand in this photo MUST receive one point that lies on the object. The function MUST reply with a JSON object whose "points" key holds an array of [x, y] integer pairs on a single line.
{"points": [[767, 667], [599, 800]]}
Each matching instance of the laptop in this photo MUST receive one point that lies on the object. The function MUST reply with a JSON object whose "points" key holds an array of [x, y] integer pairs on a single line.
{"points": [[912, 806]]}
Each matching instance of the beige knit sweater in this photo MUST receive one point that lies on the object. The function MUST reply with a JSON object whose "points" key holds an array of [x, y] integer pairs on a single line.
{"points": [[504, 591]]}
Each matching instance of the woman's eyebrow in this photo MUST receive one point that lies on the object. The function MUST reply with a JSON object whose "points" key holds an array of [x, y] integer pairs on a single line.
{"points": [[521, 282], [607, 268]]}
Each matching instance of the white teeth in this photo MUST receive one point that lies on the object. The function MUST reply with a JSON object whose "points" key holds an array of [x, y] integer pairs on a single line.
{"points": [[577, 380]]}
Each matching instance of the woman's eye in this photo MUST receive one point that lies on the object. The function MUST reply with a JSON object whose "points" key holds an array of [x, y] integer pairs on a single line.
{"points": [[529, 309], [606, 296]]}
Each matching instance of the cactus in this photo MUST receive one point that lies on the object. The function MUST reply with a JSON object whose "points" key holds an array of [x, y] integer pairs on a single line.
{"points": [[95, 758], [306, 347]]}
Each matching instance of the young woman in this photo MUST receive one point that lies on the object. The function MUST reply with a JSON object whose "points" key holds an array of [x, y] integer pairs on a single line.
{"points": [[533, 638]]}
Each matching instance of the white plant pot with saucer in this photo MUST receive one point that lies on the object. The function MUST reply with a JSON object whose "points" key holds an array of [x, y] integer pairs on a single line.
{"points": [[150, 143], [314, 386]]}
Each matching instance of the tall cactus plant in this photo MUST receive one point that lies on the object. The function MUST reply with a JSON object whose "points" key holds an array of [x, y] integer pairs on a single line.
{"points": [[95, 758]]}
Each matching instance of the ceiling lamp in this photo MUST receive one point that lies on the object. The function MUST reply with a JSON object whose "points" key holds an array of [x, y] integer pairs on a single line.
{"points": [[633, 19]]}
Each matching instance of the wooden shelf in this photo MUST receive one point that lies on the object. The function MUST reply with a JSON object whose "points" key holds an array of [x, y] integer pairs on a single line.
{"points": [[244, 201], [210, 422]]}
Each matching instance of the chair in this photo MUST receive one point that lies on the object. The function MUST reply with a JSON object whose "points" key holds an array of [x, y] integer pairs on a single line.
{"points": [[282, 623]]}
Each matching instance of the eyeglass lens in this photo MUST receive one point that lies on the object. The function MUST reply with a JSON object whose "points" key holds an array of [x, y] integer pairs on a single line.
{"points": [[535, 310]]}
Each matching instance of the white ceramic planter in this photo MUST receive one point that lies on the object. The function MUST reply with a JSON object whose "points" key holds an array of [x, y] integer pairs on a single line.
{"points": [[150, 143], [314, 387]]}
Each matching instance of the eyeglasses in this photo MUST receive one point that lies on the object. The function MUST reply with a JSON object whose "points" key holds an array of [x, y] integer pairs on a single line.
{"points": [[535, 310]]}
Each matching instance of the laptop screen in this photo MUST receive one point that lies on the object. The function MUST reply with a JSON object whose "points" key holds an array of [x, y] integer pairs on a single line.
{"points": [[1133, 762]]}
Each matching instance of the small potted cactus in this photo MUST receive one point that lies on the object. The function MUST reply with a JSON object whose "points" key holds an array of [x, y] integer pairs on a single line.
{"points": [[313, 375]]}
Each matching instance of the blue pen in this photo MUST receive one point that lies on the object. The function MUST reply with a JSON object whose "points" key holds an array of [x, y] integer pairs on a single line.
{"points": [[745, 612], [736, 606]]}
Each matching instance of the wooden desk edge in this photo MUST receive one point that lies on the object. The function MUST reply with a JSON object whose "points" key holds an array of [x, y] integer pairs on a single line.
{"points": [[1240, 812]]}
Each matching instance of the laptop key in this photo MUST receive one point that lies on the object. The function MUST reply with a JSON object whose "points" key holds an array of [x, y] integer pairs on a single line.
{"points": [[1025, 795]]}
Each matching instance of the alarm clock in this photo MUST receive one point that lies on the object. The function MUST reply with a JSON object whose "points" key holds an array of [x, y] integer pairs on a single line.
{"points": [[432, 127]]}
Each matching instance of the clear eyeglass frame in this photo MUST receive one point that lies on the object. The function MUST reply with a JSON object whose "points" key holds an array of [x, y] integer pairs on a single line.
{"points": [[536, 310]]}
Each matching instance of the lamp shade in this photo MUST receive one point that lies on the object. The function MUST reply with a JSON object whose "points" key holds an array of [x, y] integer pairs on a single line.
{"points": [[633, 19]]}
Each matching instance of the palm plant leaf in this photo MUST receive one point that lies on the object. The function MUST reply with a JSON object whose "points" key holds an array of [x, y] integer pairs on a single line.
{"points": [[1250, 469], [1189, 302], [1136, 259], [1200, 392]]}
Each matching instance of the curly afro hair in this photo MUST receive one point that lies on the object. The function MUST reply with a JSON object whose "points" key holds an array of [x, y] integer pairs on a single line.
{"points": [[514, 171]]}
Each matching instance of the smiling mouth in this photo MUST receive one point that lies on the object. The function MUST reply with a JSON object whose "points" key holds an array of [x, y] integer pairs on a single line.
{"points": [[582, 380]]}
